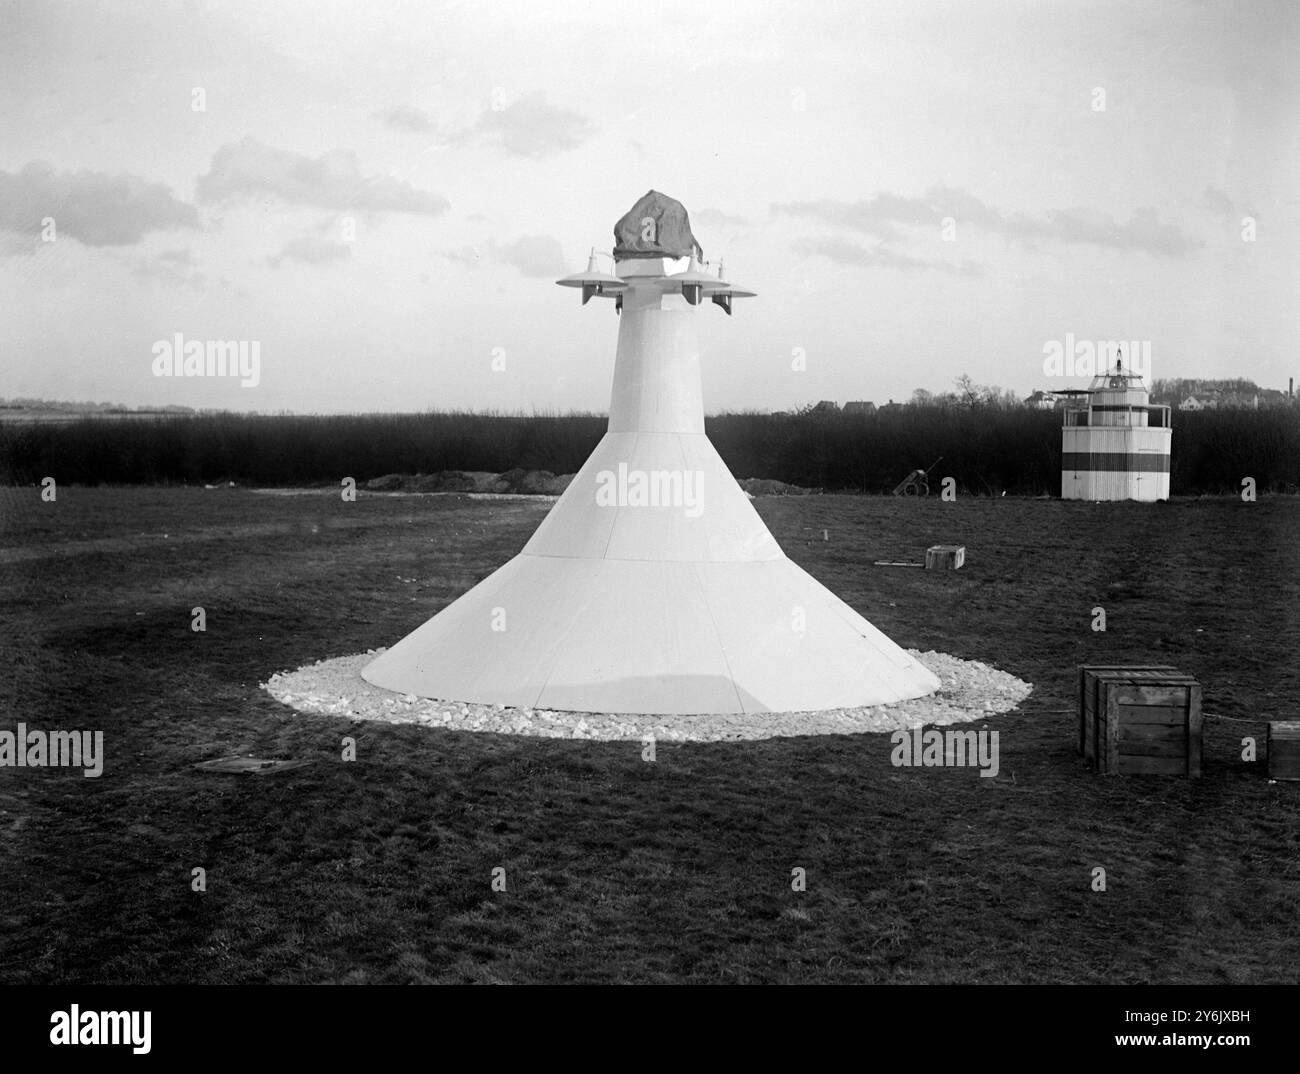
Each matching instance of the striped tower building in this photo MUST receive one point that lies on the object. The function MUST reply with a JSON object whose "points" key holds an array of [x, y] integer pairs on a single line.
{"points": [[653, 586], [1116, 447]]}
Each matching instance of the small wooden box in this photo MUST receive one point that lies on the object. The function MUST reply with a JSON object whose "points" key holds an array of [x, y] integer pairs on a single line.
{"points": [[945, 557], [1141, 721], [1284, 749]]}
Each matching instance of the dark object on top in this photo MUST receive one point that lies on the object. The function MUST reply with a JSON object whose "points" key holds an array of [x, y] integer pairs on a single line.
{"points": [[656, 226]]}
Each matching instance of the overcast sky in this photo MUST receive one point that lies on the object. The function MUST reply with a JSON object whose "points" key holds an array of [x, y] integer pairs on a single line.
{"points": [[481, 149]]}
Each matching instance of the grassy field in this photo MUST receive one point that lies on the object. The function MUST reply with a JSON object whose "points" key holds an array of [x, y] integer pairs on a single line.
{"points": [[379, 870]]}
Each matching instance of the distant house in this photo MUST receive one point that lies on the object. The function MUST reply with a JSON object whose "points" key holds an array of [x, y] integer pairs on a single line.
{"points": [[1041, 400], [891, 405], [826, 406], [860, 406], [1198, 402]]}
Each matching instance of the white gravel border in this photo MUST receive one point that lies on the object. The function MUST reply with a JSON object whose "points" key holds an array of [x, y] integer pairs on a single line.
{"points": [[970, 691]]}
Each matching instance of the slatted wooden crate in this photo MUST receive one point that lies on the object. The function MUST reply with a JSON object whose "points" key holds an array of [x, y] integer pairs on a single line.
{"points": [[1284, 749], [1140, 721], [1089, 676]]}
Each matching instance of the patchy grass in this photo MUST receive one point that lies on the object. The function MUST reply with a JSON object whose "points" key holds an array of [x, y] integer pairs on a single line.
{"points": [[379, 870]]}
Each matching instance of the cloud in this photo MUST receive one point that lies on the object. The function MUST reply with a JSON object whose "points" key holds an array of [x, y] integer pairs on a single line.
{"points": [[529, 128], [406, 118], [171, 267], [91, 207], [14, 244], [850, 253], [716, 218], [330, 181], [465, 255], [313, 249], [1144, 232], [884, 214], [875, 216], [966, 209], [534, 255], [1218, 202]]}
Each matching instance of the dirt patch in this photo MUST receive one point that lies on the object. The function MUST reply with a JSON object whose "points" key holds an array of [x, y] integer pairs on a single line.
{"points": [[513, 482], [766, 486]]}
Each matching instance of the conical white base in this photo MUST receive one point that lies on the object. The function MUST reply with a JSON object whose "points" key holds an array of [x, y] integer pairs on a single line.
{"points": [[678, 608], [601, 635], [652, 587]]}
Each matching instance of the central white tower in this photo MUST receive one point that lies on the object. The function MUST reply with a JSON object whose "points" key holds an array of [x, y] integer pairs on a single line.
{"points": [[652, 586]]}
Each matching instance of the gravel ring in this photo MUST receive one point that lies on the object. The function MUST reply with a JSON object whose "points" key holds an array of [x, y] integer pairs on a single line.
{"points": [[970, 690]]}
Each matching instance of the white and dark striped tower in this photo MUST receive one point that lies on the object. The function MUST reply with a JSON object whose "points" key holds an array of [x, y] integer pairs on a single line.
{"points": [[1116, 447], [652, 586]]}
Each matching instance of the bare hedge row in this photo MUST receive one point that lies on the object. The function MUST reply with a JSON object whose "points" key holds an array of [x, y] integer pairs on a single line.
{"points": [[989, 451]]}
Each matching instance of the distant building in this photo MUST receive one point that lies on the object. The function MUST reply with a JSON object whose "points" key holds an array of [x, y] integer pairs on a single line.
{"points": [[1272, 397], [1116, 445], [1041, 400], [860, 406], [826, 406], [1204, 397], [891, 405]]}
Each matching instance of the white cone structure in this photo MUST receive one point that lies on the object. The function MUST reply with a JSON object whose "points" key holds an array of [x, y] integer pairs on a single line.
{"points": [[652, 586]]}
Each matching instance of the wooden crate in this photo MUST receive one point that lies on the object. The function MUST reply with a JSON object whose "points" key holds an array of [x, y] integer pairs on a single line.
{"points": [[1284, 749], [1089, 676], [945, 556], [1141, 721]]}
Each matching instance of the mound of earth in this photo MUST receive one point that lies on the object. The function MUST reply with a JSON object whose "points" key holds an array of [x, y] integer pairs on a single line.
{"points": [[534, 482], [766, 486]]}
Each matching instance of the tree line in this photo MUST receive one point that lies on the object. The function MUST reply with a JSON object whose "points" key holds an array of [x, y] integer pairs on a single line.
{"points": [[989, 449]]}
